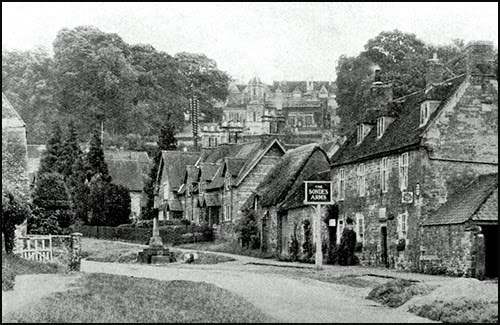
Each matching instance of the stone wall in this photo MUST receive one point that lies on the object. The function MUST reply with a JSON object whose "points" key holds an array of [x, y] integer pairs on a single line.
{"points": [[447, 249], [15, 161]]}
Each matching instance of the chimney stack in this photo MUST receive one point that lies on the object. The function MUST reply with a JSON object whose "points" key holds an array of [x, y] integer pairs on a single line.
{"points": [[435, 71], [480, 58]]}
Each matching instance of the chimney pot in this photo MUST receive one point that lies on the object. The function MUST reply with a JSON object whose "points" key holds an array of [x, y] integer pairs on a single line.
{"points": [[435, 71]]}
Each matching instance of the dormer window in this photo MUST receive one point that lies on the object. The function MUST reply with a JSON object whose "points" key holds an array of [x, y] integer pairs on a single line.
{"points": [[361, 133], [424, 113], [380, 127]]}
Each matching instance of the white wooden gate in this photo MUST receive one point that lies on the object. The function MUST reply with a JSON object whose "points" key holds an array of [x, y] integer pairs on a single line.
{"points": [[35, 248]]}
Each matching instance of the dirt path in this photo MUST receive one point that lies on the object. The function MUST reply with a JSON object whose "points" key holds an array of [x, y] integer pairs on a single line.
{"points": [[286, 299], [30, 288]]}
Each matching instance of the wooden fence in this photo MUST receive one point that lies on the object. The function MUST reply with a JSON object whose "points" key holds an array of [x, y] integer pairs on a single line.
{"points": [[38, 248]]}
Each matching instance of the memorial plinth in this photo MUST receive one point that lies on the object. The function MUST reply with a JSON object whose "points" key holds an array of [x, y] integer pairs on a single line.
{"points": [[156, 253]]}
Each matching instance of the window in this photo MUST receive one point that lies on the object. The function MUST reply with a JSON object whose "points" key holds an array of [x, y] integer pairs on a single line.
{"points": [[403, 171], [291, 120], [189, 189], [308, 120], [361, 180], [227, 212], [424, 113], [255, 203], [380, 127], [341, 184], [228, 182], [360, 133], [254, 116], [402, 226], [165, 192], [384, 174], [340, 228], [360, 227]]}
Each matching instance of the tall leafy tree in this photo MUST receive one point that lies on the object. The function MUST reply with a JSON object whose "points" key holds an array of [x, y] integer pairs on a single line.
{"points": [[95, 158], [79, 189], [95, 80], [401, 58], [29, 83], [51, 158], [167, 140], [206, 80]]}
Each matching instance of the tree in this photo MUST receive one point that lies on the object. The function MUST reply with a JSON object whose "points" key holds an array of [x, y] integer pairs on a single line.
{"points": [[208, 83], [28, 81], [95, 158], [70, 151], [401, 58], [79, 190], [51, 192], [167, 140], [109, 204], [14, 212], [249, 230], [95, 80], [51, 158]]}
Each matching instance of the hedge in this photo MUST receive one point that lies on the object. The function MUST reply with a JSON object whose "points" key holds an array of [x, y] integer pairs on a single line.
{"points": [[174, 235]]}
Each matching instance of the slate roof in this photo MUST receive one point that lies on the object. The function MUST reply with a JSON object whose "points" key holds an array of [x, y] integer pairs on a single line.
{"points": [[290, 86], [141, 156], [174, 165], [208, 171], [478, 201], [174, 205], [127, 173], [211, 200], [277, 184], [234, 165], [403, 132]]}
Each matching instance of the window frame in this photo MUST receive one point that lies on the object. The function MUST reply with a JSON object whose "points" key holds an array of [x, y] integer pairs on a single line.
{"points": [[384, 174], [361, 180], [424, 113], [341, 189], [380, 127], [360, 231], [227, 212], [403, 170], [360, 133]]}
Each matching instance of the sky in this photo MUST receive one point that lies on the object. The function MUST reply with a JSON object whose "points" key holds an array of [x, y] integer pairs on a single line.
{"points": [[275, 41]]}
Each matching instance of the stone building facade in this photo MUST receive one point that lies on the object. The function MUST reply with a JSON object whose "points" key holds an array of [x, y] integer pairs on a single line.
{"points": [[14, 156], [408, 155]]}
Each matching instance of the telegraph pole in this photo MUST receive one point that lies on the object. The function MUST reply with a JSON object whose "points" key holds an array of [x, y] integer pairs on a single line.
{"points": [[194, 110]]}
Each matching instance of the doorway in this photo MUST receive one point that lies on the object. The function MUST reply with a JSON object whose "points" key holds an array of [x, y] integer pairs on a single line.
{"points": [[491, 250], [383, 232]]}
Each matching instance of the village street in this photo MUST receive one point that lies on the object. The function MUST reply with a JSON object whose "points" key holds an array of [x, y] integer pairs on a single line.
{"points": [[283, 298]]}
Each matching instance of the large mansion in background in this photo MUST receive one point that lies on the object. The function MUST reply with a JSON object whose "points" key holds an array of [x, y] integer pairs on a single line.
{"points": [[305, 109]]}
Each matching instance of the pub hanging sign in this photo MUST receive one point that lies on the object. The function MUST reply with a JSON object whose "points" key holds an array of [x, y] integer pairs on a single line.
{"points": [[318, 192]]}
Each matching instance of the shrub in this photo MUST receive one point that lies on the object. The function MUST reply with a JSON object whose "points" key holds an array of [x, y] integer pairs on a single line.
{"points": [[294, 245], [307, 246], [461, 310], [8, 277], [345, 251], [51, 192], [249, 230], [14, 212], [109, 203], [401, 245], [396, 292]]}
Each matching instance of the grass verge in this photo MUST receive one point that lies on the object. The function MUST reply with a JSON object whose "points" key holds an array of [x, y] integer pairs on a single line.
{"points": [[13, 265], [108, 298], [231, 247]]}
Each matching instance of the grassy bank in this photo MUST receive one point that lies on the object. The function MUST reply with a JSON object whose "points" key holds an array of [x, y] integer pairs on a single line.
{"points": [[107, 298], [228, 247], [117, 252], [13, 265]]}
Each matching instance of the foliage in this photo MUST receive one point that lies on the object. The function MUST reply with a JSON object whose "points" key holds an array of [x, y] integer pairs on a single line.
{"points": [[401, 58], [294, 248], [107, 298], [248, 230], [167, 140], [401, 245], [28, 81], [307, 246], [50, 162], [95, 163], [395, 293], [14, 212], [70, 151], [462, 310], [208, 82], [50, 192], [109, 204], [53, 221], [343, 253], [79, 190]]}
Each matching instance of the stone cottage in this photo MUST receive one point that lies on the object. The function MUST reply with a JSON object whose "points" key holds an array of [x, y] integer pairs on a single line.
{"points": [[279, 199], [14, 155], [408, 155], [129, 174], [169, 180], [461, 237]]}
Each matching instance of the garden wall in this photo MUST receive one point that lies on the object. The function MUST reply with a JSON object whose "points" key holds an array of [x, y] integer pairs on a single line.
{"points": [[174, 235]]}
